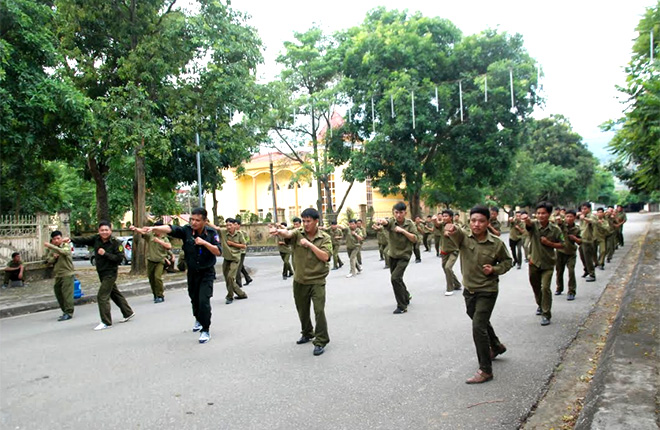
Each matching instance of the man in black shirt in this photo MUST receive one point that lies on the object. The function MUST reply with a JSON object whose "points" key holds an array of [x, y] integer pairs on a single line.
{"points": [[201, 246]]}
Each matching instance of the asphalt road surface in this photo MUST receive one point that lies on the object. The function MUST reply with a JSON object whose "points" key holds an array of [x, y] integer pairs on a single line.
{"points": [[380, 371]]}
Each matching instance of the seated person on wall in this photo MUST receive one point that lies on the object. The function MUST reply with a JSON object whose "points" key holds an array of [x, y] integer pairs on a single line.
{"points": [[13, 275]]}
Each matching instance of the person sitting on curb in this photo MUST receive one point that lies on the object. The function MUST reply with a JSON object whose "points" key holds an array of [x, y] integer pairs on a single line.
{"points": [[13, 275]]}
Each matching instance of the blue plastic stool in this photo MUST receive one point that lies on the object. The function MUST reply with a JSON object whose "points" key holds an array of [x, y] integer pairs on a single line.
{"points": [[77, 291]]}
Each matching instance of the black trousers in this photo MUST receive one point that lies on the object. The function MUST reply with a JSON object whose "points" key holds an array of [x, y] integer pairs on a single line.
{"points": [[242, 271], [200, 291]]}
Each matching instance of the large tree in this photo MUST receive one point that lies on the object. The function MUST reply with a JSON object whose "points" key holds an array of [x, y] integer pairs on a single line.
{"points": [[636, 142], [395, 57], [39, 109]]}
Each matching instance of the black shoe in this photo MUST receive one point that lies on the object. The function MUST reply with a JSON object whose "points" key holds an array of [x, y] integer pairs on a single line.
{"points": [[304, 339], [558, 293], [248, 281], [570, 297], [400, 311], [65, 317], [418, 261], [585, 274], [229, 301], [382, 259], [518, 267], [539, 311], [591, 278], [159, 299], [494, 352], [240, 297], [601, 267], [284, 277], [545, 321], [609, 260], [318, 350]]}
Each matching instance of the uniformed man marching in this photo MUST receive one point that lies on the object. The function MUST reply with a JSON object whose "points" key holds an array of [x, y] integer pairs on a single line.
{"points": [[312, 249], [60, 257], [109, 253], [201, 246]]}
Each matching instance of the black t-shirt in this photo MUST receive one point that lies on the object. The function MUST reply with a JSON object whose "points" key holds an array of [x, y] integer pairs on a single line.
{"points": [[197, 256]]}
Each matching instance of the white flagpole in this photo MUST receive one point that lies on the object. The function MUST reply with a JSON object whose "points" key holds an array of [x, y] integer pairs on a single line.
{"points": [[460, 98], [373, 115], [392, 105], [412, 95], [437, 100]]}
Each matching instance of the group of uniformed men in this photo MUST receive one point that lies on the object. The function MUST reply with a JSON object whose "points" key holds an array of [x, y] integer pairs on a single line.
{"points": [[550, 243]]}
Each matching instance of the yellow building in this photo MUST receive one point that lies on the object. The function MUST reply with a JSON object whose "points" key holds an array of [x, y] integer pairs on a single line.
{"points": [[251, 190]]}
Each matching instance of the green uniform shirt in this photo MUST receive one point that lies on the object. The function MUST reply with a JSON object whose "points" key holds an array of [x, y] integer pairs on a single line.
{"points": [[106, 264], [447, 246], [620, 219], [382, 236], [475, 254], [587, 229], [496, 224], [514, 233], [438, 231], [543, 256], [399, 245], [336, 234], [231, 253], [246, 240], [602, 228], [570, 247], [62, 265], [307, 268], [352, 242], [156, 252]]}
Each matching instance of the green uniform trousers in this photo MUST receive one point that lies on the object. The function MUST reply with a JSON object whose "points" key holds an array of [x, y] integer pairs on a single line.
{"points": [[229, 271], [602, 251], [479, 307], [448, 261], [401, 294], [359, 256], [437, 239], [425, 240], [155, 274], [619, 236], [416, 251], [306, 295], [353, 260], [336, 259], [109, 291], [383, 254], [287, 270], [611, 246], [587, 255], [540, 280], [566, 261], [64, 293]]}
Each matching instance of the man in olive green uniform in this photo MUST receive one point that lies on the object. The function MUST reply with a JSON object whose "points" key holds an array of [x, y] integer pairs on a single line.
{"points": [[516, 238], [312, 248], [587, 241], [494, 225], [354, 238], [602, 231], [13, 273], [419, 225], [232, 242], [438, 232], [402, 236], [545, 237], [621, 219], [242, 271], [363, 233], [483, 259], [566, 256], [383, 238], [285, 255], [448, 253], [59, 255], [158, 246], [336, 234], [611, 236], [427, 231], [109, 254]]}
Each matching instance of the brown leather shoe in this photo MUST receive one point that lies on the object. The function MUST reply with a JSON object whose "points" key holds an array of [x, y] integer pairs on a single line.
{"points": [[480, 377], [494, 352]]}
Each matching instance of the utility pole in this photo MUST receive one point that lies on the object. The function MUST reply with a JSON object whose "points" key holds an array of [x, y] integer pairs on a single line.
{"points": [[272, 187]]}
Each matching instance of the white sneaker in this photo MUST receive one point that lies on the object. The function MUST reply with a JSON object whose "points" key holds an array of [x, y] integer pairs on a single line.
{"points": [[197, 327], [449, 293], [204, 337], [350, 275], [128, 318], [101, 326]]}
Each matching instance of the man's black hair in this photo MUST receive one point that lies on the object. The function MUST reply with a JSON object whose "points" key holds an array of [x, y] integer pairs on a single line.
{"points": [[351, 220], [296, 219], [310, 213], [14, 254], [481, 210], [230, 221], [238, 221], [283, 224], [571, 211], [600, 210], [55, 234], [333, 223], [105, 223], [401, 206], [448, 212], [429, 216], [585, 204], [544, 205], [200, 211]]}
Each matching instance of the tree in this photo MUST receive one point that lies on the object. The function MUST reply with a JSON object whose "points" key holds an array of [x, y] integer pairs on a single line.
{"points": [[307, 131], [394, 57], [637, 134], [38, 108]]}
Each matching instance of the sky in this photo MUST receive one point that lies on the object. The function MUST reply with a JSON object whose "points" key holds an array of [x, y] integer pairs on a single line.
{"points": [[583, 46]]}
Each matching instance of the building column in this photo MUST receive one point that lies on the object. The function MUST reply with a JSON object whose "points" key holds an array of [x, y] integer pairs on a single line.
{"points": [[254, 189]]}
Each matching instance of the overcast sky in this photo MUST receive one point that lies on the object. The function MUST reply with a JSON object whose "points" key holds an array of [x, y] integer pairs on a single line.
{"points": [[582, 45]]}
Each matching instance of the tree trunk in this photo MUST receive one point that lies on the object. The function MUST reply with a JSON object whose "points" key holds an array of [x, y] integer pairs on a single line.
{"points": [[99, 172], [215, 218], [139, 263], [413, 201]]}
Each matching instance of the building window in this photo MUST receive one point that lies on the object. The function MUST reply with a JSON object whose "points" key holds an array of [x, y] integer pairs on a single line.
{"points": [[293, 184], [277, 187], [370, 196]]}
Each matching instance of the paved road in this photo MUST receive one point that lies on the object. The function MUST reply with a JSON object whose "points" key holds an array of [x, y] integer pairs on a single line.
{"points": [[380, 371]]}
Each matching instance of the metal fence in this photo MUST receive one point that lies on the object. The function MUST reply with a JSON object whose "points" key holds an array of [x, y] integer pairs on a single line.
{"points": [[27, 233]]}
